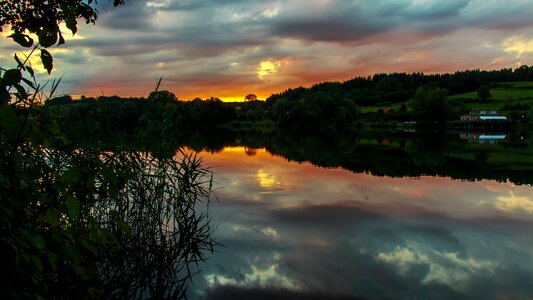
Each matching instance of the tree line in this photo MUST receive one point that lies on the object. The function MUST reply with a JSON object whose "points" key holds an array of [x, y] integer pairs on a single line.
{"points": [[324, 108], [400, 87]]}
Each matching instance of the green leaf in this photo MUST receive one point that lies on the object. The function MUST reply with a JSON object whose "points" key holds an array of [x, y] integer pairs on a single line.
{"points": [[37, 262], [52, 217], [4, 95], [124, 227], [8, 119], [52, 259], [89, 246], [47, 60], [63, 139], [109, 175], [47, 37], [30, 70], [29, 83], [61, 39], [72, 24], [36, 240], [72, 254], [12, 77], [20, 64], [72, 176], [73, 206], [21, 91], [22, 39]]}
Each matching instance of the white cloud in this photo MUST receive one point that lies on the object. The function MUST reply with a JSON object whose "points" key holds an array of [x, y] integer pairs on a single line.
{"points": [[267, 275], [518, 45], [444, 267], [513, 202]]}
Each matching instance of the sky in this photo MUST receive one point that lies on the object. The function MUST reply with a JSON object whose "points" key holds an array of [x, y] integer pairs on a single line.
{"points": [[230, 48]]}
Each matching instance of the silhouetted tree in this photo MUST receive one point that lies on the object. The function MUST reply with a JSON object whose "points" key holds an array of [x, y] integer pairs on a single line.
{"points": [[250, 97], [483, 93], [42, 19], [163, 96], [66, 99], [430, 104]]}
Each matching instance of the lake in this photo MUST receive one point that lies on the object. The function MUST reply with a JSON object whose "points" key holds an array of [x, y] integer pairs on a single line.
{"points": [[294, 230]]}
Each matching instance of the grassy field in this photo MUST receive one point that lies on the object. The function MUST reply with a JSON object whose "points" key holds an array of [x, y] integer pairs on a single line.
{"points": [[504, 94], [505, 91], [366, 109]]}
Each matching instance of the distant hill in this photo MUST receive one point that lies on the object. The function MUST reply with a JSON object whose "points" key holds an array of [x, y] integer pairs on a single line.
{"points": [[386, 89]]}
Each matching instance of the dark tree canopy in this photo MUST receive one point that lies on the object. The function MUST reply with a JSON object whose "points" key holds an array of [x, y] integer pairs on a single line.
{"points": [[163, 96], [483, 93], [42, 18], [430, 103], [250, 97]]}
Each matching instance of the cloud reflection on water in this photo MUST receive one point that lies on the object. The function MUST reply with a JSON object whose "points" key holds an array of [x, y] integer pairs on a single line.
{"points": [[332, 232]]}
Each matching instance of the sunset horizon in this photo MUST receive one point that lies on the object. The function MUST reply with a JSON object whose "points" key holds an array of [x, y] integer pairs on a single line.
{"points": [[277, 149], [230, 49]]}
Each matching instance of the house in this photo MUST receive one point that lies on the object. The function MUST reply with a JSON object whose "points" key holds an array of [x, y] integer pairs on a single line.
{"points": [[484, 115], [483, 137]]}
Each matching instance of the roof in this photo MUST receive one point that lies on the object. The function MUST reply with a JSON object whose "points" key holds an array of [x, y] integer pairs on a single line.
{"points": [[492, 136], [502, 118]]}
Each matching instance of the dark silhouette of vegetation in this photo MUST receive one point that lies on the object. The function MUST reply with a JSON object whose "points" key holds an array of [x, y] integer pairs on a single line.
{"points": [[320, 113], [430, 104], [78, 221], [400, 87], [483, 93], [250, 97], [322, 109]]}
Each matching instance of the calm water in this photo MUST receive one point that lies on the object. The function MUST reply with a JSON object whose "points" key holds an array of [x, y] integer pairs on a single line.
{"points": [[293, 230]]}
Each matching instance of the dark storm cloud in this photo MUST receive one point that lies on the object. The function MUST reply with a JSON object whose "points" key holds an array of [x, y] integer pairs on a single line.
{"points": [[430, 10], [308, 40], [189, 5], [208, 26], [326, 30], [132, 16], [342, 21], [78, 58]]}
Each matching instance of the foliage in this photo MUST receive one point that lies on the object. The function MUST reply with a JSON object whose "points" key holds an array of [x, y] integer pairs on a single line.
{"points": [[318, 113], [42, 18], [400, 87], [530, 115], [163, 96], [483, 93], [81, 222], [154, 215], [250, 97], [430, 104]]}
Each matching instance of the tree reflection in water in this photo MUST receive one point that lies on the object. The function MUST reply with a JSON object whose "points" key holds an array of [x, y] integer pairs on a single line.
{"points": [[159, 218]]}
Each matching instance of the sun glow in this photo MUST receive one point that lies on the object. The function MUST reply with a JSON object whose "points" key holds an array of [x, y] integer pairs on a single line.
{"points": [[267, 68], [518, 44], [267, 179], [514, 202]]}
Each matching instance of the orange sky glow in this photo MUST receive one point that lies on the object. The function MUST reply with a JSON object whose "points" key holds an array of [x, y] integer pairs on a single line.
{"points": [[228, 49]]}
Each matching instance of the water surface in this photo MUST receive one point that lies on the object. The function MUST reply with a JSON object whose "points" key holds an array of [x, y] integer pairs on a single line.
{"points": [[294, 230]]}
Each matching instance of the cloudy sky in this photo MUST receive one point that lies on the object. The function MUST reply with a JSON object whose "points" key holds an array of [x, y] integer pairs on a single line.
{"points": [[228, 48]]}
